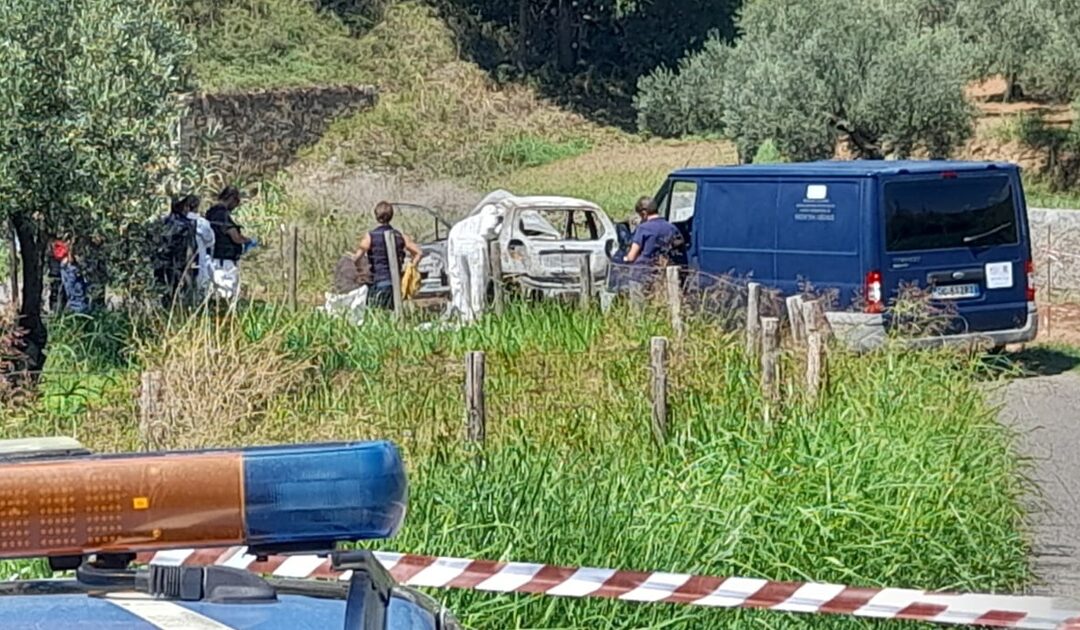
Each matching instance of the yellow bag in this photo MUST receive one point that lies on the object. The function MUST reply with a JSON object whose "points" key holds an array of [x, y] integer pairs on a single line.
{"points": [[410, 281]]}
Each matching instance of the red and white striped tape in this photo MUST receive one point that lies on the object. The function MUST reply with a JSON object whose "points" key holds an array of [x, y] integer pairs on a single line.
{"points": [[1004, 611]]}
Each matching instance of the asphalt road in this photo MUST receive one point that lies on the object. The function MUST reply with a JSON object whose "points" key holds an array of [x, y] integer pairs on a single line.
{"points": [[1045, 410]]}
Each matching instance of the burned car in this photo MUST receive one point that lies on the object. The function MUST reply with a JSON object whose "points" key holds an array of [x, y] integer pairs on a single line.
{"points": [[541, 243]]}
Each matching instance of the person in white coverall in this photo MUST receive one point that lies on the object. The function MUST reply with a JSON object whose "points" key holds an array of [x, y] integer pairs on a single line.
{"points": [[204, 242], [467, 256]]}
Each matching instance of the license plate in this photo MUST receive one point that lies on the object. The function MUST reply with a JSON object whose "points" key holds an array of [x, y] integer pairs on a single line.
{"points": [[956, 291]]}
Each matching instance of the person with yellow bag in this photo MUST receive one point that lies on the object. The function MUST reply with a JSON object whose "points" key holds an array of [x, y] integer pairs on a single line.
{"points": [[373, 244]]}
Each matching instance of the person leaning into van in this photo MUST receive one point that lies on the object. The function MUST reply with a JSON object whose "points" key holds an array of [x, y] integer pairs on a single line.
{"points": [[229, 244], [654, 239], [374, 245]]}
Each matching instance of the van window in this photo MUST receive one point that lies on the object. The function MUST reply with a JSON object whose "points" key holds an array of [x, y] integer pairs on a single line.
{"points": [[681, 202], [949, 213], [677, 201]]}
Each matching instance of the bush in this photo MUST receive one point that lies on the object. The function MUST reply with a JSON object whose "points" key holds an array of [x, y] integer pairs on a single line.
{"points": [[767, 153], [687, 101], [809, 74]]}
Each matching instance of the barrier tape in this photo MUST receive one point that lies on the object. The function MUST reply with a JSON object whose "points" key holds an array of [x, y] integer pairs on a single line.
{"points": [[1003, 611]]}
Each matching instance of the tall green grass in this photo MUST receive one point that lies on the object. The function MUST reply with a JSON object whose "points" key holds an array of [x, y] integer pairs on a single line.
{"points": [[902, 477]]}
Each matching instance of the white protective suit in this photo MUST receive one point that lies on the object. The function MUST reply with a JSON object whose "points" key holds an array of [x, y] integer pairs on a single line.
{"points": [[467, 256], [204, 241]]}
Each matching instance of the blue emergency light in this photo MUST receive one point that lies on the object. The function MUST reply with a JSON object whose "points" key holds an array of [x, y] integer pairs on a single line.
{"points": [[278, 499]]}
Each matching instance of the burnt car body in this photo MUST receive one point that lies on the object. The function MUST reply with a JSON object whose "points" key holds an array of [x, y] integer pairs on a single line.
{"points": [[542, 242]]}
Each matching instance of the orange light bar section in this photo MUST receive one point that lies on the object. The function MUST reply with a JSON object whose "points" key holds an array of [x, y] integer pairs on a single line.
{"points": [[125, 504]]}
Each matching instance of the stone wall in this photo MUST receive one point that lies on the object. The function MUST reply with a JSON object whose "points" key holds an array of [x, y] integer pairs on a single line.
{"points": [[1055, 246], [253, 133]]}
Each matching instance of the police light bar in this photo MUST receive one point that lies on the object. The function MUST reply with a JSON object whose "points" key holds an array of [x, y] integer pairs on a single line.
{"points": [[277, 499]]}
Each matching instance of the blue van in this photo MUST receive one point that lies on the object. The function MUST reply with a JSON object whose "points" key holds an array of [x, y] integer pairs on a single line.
{"points": [[864, 228]]}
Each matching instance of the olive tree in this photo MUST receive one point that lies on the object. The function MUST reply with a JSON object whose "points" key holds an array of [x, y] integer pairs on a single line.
{"points": [[805, 74], [88, 106], [1006, 36], [1055, 67]]}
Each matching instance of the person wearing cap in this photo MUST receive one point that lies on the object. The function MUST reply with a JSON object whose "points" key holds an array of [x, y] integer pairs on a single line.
{"points": [[229, 244]]}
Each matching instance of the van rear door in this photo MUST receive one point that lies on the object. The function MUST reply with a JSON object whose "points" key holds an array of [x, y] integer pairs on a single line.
{"points": [[962, 236]]}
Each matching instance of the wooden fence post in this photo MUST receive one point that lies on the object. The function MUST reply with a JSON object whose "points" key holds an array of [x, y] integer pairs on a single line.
{"points": [[753, 317], [294, 267], [674, 295], [813, 316], [795, 318], [395, 270], [585, 299], [475, 406], [770, 354], [150, 425], [658, 365], [495, 266]]}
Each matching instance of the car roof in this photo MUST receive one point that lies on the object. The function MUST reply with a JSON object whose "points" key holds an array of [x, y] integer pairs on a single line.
{"points": [[548, 201], [843, 168]]}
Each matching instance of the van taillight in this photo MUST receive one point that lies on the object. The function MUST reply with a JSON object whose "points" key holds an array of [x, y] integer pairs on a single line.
{"points": [[1030, 281], [874, 302]]}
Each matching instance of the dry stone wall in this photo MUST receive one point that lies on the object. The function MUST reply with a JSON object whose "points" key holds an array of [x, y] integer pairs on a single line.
{"points": [[253, 133], [1055, 246]]}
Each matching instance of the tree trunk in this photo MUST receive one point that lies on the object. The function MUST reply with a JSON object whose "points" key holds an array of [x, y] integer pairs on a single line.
{"points": [[1012, 88], [524, 33], [566, 36], [32, 246]]}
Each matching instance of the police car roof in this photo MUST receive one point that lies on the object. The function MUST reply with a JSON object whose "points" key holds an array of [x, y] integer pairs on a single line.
{"points": [[843, 168]]}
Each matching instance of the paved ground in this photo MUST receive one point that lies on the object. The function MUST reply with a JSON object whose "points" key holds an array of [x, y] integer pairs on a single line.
{"points": [[1046, 411]]}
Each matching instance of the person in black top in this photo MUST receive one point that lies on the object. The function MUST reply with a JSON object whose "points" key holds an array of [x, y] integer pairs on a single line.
{"points": [[374, 245], [229, 243], [175, 253]]}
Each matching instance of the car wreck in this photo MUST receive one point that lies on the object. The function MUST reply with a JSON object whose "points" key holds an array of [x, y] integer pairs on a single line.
{"points": [[541, 242]]}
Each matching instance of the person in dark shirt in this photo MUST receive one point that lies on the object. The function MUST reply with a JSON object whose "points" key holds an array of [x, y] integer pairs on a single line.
{"points": [[229, 244], [373, 244], [655, 238]]}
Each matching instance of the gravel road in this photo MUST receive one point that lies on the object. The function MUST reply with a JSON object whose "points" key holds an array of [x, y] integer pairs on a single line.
{"points": [[1046, 412]]}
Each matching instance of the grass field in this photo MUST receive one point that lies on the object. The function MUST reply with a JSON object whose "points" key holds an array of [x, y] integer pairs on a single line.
{"points": [[901, 478]]}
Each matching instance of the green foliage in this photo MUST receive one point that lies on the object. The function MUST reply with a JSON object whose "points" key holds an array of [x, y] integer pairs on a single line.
{"points": [[443, 117], [806, 75], [901, 476], [767, 153], [588, 53], [87, 116], [1005, 34], [526, 151], [1055, 67], [687, 101], [275, 43]]}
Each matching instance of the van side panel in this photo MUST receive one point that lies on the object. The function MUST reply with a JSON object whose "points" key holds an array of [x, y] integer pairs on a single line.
{"points": [[818, 237], [785, 233], [735, 229]]}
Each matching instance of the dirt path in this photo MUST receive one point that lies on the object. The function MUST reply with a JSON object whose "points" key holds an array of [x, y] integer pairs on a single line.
{"points": [[1046, 411]]}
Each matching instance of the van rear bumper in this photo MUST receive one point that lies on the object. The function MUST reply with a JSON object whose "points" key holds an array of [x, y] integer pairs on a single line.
{"points": [[863, 332]]}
